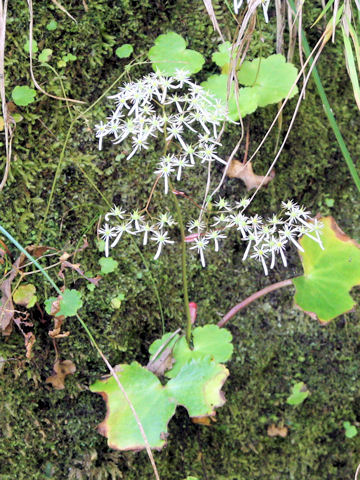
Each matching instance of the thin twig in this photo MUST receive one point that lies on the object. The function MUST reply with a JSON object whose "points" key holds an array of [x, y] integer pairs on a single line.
{"points": [[31, 24], [357, 472], [8, 120]]}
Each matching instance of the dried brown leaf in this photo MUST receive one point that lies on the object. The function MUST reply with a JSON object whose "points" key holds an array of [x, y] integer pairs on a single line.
{"points": [[56, 333], [207, 421], [76, 267], [162, 363], [29, 343], [274, 431], [61, 370], [246, 174]]}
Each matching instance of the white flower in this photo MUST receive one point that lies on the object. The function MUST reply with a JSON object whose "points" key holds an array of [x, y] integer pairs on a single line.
{"points": [[138, 144], [222, 204], [181, 163], [119, 230], [215, 235], [175, 131], [241, 222], [115, 211], [250, 238], [101, 132], [106, 233], [261, 254], [136, 217], [165, 219], [242, 204], [197, 224], [208, 154], [222, 218], [201, 244], [161, 238], [146, 228], [289, 234], [164, 170]]}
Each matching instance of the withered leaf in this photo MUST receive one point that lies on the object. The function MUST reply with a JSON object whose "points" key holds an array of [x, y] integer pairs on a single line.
{"points": [[61, 370], [246, 174], [7, 306], [207, 421], [76, 267], [24, 294], [274, 431], [162, 363], [29, 343], [56, 333]]}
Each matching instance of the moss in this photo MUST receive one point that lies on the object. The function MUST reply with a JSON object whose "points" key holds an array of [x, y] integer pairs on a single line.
{"points": [[51, 434]]}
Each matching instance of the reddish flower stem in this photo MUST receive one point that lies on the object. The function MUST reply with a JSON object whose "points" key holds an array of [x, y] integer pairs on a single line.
{"points": [[253, 297]]}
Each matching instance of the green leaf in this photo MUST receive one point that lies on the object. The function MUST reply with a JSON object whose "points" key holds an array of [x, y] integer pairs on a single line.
{"points": [[25, 295], [270, 78], [34, 46], [350, 430], [108, 265], [17, 117], [170, 53], [223, 56], [329, 274], [150, 401], [45, 55], [52, 25], [124, 51], [207, 341], [69, 57], [197, 386], [23, 95], [298, 394], [247, 99], [69, 303], [116, 301]]}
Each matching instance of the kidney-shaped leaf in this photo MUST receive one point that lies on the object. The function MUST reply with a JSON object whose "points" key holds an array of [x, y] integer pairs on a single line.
{"points": [[23, 95], [170, 53], [150, 401], [197, 388], [329, 274], [271, 78]]}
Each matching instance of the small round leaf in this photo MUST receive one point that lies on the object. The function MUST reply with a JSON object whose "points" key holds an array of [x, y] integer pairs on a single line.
{"points": [[124, 51], [23, 95]]}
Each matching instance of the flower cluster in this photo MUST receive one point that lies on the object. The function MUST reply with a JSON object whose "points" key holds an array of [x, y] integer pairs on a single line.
{"points": [[180, 110], [270, 237], [265, 238], [189, 119]]}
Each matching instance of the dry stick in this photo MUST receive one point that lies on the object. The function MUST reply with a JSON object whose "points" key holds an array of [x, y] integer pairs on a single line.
{"points": [[299, 28], [63, 9], [237, 61], [7, 118], [211, 13], [253, 297], [31, 23], [292, 120], [357, 472]]}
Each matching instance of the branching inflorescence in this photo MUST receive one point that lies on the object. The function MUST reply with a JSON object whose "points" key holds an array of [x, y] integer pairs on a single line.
{"points": [[189, 119]]}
